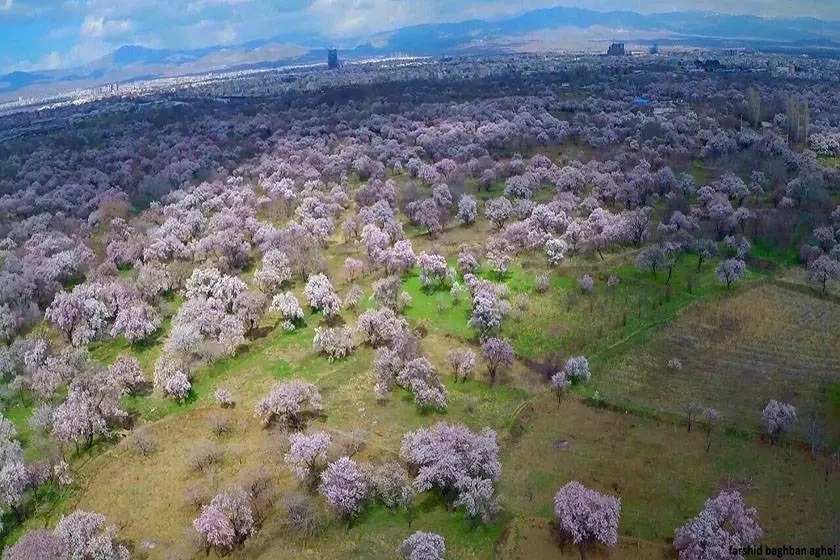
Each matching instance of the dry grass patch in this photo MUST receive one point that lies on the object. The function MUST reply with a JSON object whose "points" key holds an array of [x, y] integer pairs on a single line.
{"points": [[147, 496]]}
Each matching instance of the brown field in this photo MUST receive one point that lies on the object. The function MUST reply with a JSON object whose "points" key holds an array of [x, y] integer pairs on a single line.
{"points": [[529, 538], [662, 473], [737, 353]]}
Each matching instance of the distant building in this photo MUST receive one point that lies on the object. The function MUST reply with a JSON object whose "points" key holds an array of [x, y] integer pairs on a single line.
{"points": [[789, 71], [654, 49], [616, 49], [332, 59]]}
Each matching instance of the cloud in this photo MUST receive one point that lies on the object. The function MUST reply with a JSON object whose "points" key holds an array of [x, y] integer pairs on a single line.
{"points": [[109, 28], [5, 5], [226, 35], [363, 17], [51, 61]]}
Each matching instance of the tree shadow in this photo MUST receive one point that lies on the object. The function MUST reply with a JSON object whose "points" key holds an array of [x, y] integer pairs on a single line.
{"points": [[261, 332], [429, 501]]}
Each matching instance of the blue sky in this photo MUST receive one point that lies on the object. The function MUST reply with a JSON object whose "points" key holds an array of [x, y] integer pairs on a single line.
{"points": [[47, 34]]}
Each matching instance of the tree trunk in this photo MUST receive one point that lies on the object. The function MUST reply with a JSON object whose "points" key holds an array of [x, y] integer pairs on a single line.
{"points": [[670, 272], [583, 547]]}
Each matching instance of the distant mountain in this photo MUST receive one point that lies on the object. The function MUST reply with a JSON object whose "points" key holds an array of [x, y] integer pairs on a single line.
{"points": [[543, 29]]}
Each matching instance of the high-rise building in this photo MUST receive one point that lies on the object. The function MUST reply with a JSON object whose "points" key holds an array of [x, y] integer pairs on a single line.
{"points": [[616, 49], [332, 59]]}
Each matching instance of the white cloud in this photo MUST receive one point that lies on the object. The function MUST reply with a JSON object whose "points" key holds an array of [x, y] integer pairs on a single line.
{"points": [[194, 6], [226, 35], [5, 5], [206, 33], [92, 26], [51, 61], [100, 27]]}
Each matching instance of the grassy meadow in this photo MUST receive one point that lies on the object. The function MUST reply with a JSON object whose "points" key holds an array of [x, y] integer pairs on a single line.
{"points": [[623, 433]]}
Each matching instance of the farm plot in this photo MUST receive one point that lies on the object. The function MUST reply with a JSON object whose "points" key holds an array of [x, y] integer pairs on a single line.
{"points": [[662, 473], [736, 354]]}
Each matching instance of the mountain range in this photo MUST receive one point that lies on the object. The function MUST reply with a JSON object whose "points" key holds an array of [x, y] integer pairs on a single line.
{"points": [[551, 29]]}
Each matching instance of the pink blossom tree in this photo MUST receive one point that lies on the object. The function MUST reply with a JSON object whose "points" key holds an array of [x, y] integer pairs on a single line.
{"points": [[423, 546], [421, 378], [307, 456], [823, 270], [586, 516], [172, 377], [778, 417], [322, 296], [379, 327], [576, 369], [393, 486], [85, 535], [346, 487], [291, 313], [127, 373], [274, 273], [288, 403], [336, 343], [730, 270], [136, 321], [434, 272], [14, 477], [40, 544], [449, 457], [400, 258], [498, 356], [498, 211], [226, 522], [353, 268], [462, 361], [467, 209], [488, 309], [724, 525], [559, 384]]}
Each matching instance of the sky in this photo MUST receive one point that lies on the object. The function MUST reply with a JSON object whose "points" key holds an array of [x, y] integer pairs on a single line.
{"points": [[50, 34]]}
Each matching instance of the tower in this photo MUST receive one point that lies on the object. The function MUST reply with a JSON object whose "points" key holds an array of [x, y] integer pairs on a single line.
{"points": [[332, 59]]}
